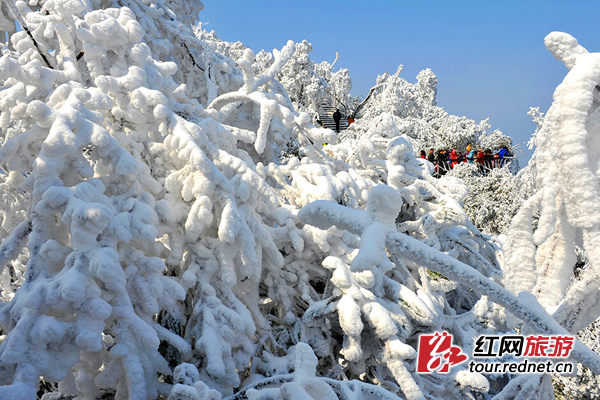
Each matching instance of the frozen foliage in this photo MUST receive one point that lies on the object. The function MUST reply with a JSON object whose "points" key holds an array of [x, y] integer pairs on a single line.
{"points": [[153, 246], [311, 84], [152, 223], [302, 383], [542, 254], [494, 198], [586, 385], [308, 84], [414, 110]]}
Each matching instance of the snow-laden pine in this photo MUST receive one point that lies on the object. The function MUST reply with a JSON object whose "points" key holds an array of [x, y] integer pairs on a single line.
{"points": [[553, 249], [154, 246]]}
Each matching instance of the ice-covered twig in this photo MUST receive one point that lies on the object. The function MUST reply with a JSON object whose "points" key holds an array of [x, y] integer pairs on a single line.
{"points": [[270, 105], [366, 99], [281, 57], [12, 245], [325, 214]]}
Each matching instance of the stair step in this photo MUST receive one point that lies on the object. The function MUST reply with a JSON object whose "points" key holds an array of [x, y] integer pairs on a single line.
{"points": [[327, 118]]}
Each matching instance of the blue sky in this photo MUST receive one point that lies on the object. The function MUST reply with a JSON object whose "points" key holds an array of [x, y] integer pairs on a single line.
{"points": [[489, 56]]}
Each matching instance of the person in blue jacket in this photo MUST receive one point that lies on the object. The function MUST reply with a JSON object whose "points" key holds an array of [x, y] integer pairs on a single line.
{"points": [[471, 156], [501, 154]]}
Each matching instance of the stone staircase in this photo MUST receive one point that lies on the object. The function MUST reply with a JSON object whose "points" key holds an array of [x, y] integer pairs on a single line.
{"points": [[326, 117]]}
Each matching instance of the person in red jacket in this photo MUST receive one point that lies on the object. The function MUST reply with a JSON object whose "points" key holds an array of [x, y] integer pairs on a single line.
{"points": [[453, 158], [479, 160], [480, 156]]}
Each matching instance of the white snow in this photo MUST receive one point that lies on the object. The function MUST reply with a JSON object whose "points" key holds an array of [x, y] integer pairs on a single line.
{"points": [[169, 209]]}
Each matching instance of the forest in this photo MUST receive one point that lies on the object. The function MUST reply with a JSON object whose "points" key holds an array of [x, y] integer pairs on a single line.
{"points": [[175, 223]]}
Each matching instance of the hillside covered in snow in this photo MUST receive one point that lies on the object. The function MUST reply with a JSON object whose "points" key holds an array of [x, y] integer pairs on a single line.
{"points": [[174, 224]]}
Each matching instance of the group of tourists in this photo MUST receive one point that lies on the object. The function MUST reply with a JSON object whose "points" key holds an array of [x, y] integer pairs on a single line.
{"points": [[485, 159]]}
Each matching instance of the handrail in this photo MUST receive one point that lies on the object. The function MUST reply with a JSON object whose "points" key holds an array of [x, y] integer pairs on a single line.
{"points": [[474, 159], [445, 164]]}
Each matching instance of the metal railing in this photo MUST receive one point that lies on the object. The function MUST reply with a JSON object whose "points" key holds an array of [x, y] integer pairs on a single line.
{"points": [[445, 165]]}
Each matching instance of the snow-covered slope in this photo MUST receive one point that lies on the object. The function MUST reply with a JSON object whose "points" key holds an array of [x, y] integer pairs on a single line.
{"points": [[154, 246]]}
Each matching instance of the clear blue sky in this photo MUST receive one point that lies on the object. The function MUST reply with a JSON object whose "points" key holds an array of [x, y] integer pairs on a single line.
{"points": [[489, 56]]}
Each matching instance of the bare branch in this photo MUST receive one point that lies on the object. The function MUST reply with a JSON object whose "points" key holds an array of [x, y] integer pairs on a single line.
{"points": [[362, 104], [23, 24], [192, 57]]}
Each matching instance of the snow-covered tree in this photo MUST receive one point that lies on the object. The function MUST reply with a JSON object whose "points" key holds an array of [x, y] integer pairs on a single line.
{"points": [[154, 246], [415, 111], [553, 249], [308, 84], [494, 198]]}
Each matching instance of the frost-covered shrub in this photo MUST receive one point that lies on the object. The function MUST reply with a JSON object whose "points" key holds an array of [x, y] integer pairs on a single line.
{"points": [[308, 84], [156, 247], [413, 107], [493, 198]]}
